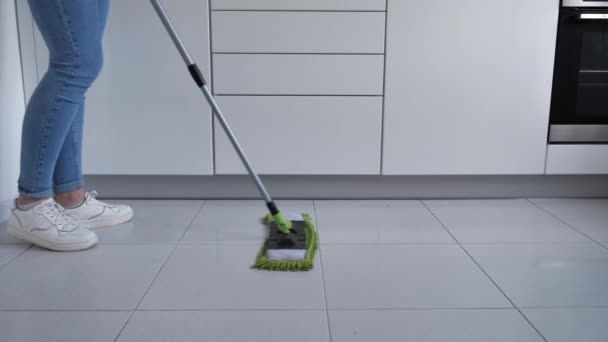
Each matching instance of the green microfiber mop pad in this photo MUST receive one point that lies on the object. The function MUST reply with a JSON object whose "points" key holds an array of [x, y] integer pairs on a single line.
{"points": [[306, 264]]}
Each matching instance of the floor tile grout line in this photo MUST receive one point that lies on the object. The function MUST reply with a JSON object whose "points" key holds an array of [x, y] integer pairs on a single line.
{"points": [[169, 257], [316, 310], [253, 243], [232, 310], [158, 273], [62, 310], [177, 243], [565, 307], [323, 310], [504, 294], [16, 256], [486, 274], [386, 243], [200, 209], [530, 243], [424, 308], [440, 222], [319, 251], [566, 223], [145, 293]]}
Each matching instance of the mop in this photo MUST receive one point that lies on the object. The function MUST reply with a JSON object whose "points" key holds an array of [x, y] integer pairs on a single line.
{"points": [[291, 242]]}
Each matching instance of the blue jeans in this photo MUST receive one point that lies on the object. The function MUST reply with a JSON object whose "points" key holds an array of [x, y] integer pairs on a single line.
{"points": [[51, 158]]}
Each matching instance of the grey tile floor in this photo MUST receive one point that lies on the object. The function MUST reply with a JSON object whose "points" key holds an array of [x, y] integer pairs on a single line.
{"points": [[424, 271]]}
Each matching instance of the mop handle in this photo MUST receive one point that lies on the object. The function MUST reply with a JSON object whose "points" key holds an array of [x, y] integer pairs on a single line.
{"points": [[200, 82]]}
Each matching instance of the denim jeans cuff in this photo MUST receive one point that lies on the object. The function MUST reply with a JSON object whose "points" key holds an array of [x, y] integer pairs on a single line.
{"points": [[71, 186], [40, 194]]}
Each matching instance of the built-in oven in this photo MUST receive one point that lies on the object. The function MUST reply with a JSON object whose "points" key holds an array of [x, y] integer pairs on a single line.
{"points": [[579, 103]]}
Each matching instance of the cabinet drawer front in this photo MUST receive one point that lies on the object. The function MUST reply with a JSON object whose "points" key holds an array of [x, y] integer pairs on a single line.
{"points": [[302, 135], [342, 5], [298, 74], [298, 32]]}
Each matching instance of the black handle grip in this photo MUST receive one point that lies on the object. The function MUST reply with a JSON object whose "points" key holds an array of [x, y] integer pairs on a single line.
{"points": [[196, 74], [272, 207]]}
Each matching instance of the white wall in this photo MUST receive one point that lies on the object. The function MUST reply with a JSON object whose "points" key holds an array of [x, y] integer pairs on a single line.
{"points": [[11, 105]]}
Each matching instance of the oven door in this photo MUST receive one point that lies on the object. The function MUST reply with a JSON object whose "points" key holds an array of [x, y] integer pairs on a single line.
{"points": [[579, 105]]}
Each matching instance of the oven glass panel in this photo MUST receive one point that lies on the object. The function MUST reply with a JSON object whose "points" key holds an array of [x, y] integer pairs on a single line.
{"points": [[580, 84], [592, 92]]}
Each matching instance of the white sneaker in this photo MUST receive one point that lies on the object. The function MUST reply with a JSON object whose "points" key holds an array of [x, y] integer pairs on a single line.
{"points": [[93, 213], [46, 225]]}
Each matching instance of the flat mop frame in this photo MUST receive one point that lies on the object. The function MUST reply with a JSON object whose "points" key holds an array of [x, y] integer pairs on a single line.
{"points": [[283, 225]]}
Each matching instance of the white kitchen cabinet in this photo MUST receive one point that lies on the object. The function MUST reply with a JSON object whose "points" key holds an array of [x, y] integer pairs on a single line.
{"points": [[144, 115], [468, 86], [240, 74], [577, 159], [296, 135], [298, 32], [342, 5]]}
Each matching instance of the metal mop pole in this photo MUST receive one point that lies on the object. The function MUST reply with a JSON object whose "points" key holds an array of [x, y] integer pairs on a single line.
{"points": [[200, 82]]}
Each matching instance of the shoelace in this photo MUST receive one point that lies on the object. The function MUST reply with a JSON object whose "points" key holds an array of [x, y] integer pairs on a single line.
{"points": [[57, 215]]}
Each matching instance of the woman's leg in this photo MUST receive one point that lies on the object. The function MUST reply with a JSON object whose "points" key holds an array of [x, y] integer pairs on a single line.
{"points": [[68, 182], [67, 174], [71, 33], [67, 177]]}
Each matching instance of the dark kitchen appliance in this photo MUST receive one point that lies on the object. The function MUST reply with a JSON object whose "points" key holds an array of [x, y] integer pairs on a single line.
{"points": [[579, 104]]}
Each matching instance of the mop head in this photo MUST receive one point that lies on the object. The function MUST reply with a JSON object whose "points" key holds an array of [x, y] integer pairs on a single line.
{"points": [[298, 257]]}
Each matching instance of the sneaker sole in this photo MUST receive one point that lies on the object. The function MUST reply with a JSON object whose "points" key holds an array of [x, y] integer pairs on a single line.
{"points": [[58, 247], [106, 222]]}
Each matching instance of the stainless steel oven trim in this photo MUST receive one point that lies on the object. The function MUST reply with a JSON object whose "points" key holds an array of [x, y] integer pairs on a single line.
{"points": [[594, 16], [581, 3], [578, 133]]}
